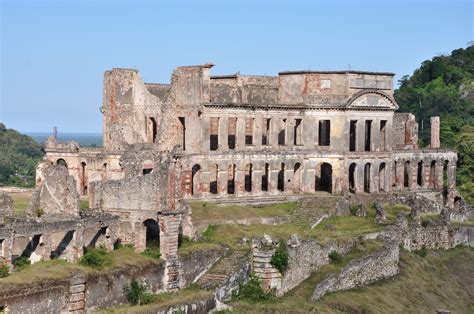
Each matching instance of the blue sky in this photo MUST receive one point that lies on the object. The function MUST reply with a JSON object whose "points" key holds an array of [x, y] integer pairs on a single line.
{"points": [[54, 53]]}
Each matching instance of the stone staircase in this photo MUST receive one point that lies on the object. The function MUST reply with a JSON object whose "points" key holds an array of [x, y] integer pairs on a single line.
{"points": [[221, 271]]}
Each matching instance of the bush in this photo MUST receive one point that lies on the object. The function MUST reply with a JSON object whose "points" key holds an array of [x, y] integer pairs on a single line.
{"points": [[209, 232], [353, 209], [118, 246], [21, 262], [423, 251], [3, 270], [39, 212], [182, 239], [280, 258], [138, 294], [335, 257], [95, 258], [252, 291]]}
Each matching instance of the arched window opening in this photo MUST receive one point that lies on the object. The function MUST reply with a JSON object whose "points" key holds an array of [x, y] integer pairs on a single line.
{"points": [[152, 234], [382, 177], [231, 179], [153, 128], [214, 176], [419, 174], [195, 179], [406, 174], [367, 178], [248, 178], [265, 177], [281, 178], [352, 177], [61, 161]]}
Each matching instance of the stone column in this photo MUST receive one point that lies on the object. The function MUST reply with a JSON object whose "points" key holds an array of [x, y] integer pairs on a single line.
{"points": [[205, 131], [288, 181], [257, 133], [400, 175], [435, 128], [77, 247], [239, 182], [205, 179], [257, 181], [240, 134], [222, 177], [309, 179], [439, 175], [413, 173], [223, 131], [427, 183], [273, 181]]}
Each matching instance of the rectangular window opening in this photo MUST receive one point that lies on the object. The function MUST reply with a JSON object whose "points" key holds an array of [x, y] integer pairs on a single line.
{"points": [[231, 131], [298, 132], [266, 131], [324, 133], [249, 131], [214, 137], [368, 135], [353, 136], [282, 133], [182, 132]]}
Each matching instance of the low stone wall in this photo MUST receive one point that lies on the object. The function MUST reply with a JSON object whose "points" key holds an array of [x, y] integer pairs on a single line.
{"points": [[383, 264], [100, 289], [307, 257]]}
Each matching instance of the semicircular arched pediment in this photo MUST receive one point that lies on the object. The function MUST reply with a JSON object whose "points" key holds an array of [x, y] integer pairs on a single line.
{"points": [[372, 99]]}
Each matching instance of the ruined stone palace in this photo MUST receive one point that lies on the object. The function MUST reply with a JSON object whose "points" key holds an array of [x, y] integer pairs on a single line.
{"points": [[254, 136]]}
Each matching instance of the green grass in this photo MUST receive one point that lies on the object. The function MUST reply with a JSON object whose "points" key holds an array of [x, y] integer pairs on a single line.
{"points": [[164, 300], [442, 279], [203, 211], [52, 270], [21, 201]]}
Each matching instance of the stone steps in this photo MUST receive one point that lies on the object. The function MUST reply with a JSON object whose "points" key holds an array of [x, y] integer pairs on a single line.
{"points": [[222, 270]]}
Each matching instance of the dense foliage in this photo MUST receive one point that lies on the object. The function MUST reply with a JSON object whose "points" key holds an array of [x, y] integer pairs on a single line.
{"points": [[444, 87], [18, 158], [280, 258], [95, 258], [252, 291], [138, 294]]}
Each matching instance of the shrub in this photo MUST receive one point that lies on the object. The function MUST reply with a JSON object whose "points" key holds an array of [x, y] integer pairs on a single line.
{"points": [[353, 209], [95, 258], [182, 239], [209, 232], [3, 270], [423, 251], [118, 246], [425, 223], [39, 212], [138, 294], [252, 291], [21, 262], [280, 258], [335, 257]]}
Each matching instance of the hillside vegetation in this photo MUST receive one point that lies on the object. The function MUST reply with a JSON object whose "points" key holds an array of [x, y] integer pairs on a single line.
{"points": [[444, 86], [18, 158]]}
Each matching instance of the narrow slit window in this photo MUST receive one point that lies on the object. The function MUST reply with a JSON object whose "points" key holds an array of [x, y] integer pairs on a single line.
{"points": [[266, 131], [368, 135], [353, 136], [282, 133], [298, 132], [182, 132]]}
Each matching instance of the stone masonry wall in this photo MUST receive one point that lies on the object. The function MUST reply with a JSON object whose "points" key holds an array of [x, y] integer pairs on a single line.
{"points": [[383, 264]]}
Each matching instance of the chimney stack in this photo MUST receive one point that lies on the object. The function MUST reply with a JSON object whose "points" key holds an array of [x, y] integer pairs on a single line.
{"points": [[435, 126]]}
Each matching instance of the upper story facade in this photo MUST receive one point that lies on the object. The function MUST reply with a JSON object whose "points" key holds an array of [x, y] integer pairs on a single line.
{"points": [[306, 111]]}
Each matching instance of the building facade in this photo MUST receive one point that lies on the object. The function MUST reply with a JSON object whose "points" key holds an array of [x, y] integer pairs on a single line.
{"points": [[238, 136]]}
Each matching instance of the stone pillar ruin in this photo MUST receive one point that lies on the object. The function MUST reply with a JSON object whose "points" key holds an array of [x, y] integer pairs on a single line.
{"points": [[435, 127]]}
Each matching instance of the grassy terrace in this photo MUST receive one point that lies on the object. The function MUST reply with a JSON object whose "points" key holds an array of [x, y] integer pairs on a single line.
{"points": [[21, 201], [44, 271], [442, 279]]}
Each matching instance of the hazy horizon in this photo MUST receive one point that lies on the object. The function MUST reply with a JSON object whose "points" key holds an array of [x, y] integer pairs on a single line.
{"points": [[54, 53]]}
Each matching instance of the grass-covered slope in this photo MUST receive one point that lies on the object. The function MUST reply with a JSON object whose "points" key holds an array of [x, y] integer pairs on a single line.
{"points": [[19, 155]]}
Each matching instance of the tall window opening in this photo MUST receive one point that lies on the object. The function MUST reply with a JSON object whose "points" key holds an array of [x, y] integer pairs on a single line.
{"points": [[214, 176], [266, 131], [214, 133], [383, 135], [195, 179], [182, 132], [353, 136], [281, 178], [231, 179], [231, 132], [282, 133], [83, 178], [249, 131], [298, 132], [433, 174], [297, 178], [419, 174], [265, 177], [382, 177], [248, 178], [368, 134], [152, 233], [324, 133], [367, 177], [352, 177], [325, 182], [153, 128]]}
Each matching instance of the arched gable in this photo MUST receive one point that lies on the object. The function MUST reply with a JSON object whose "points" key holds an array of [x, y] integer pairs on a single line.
{"points": [[372, 99]]}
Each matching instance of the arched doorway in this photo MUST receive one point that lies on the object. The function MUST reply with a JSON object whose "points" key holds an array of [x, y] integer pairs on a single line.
{"points": [[419, 174], [281, 178], [297, 178], [433, 178], [195, 179], [382, 177], [325, 183], [352, 177], [83, 178], [231, 179], [214, 176], [406, 174], [152, 234], [367, 177], [265, 176], [153, 129], [248, 177]]}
